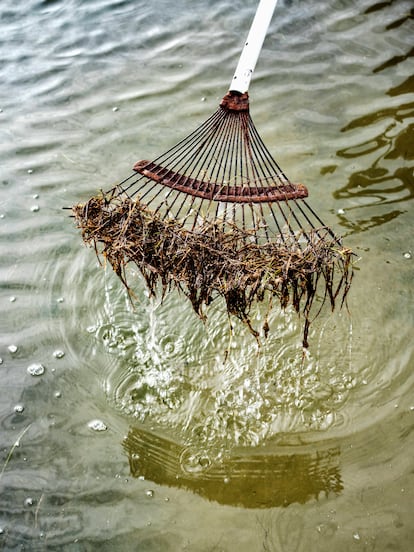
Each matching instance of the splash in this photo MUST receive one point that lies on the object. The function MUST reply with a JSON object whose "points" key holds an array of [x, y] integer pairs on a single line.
{"points": [[211, 385]]}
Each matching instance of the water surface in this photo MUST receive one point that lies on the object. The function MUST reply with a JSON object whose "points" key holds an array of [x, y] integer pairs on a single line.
{"points": [[130, 427]]}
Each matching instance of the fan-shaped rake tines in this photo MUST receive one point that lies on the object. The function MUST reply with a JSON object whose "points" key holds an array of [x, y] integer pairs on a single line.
{"points": [[216, 215]]}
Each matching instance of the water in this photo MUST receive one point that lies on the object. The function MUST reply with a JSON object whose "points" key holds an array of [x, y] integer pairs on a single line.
{"points": [[132, 428]]}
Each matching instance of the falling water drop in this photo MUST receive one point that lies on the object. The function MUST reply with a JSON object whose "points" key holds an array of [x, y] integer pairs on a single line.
{"points": [[97, 425], [36, 369]]}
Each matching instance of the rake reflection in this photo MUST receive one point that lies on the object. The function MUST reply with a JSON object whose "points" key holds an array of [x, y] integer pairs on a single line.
{"points": [[249, 477]]}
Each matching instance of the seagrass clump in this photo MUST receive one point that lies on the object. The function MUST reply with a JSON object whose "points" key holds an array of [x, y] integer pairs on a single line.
{"points": [[207, 262]]}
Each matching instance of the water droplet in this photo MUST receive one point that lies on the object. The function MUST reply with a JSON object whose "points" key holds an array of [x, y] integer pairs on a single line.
{"points": [[166, 499], [114, 109], [57, 394], [36, 369], [58, 354], [12, 349], [97, 425], [59, 300], [356, 536], [340, 211], [29, 171], [29, 501], [1, 360], [149, 493], [203, 99], [34, 208], [193, 462], [407, 255], [19, 408], [226, 480], [1, 216], [35, 196], [204, 461], [1, 530], [12, 299]]}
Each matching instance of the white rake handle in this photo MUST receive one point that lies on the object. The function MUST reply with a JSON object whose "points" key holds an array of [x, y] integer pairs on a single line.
{"points": [[252, 47]]}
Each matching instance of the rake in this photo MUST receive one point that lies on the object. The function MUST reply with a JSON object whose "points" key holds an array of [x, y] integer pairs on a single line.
{"points": [[216, 215]]}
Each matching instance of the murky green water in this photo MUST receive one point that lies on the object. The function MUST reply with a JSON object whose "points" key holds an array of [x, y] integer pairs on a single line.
{"points": [[131, 429]]}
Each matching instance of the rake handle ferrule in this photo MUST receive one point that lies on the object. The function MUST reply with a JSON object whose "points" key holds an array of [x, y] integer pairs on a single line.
{"points": [[234, 101], [252, 47]]}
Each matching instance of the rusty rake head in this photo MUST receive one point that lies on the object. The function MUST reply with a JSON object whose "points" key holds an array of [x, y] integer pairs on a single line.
{"points": [[223, 173]]}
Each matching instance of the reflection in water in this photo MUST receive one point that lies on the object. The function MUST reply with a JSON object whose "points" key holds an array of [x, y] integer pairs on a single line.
{"points": [[390, 177], [389, 150], [409, 14], [395, 60], [254, 478]]}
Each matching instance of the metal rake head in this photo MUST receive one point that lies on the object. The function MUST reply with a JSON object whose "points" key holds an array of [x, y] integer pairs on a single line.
{"points": [[222, 172]]}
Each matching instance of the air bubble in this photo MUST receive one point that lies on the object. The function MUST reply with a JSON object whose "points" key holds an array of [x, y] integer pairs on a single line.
{"points": [[57, 394], [19, 408], [58, 354], [149, 493], [34, 208], [12, 349], [29, 501], [193, 462], [407, 255], [97, 425], [12, 299], [36, 369]]}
